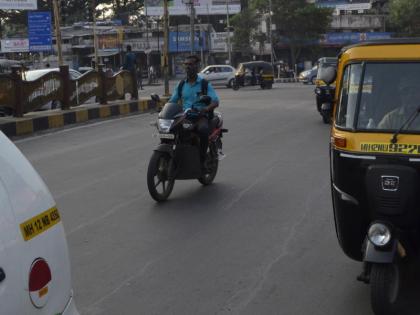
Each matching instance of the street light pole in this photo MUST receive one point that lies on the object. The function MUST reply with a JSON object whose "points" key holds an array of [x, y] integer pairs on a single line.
{"points": [[165, 47], [270, 26], [58, 32], [228, 33]]}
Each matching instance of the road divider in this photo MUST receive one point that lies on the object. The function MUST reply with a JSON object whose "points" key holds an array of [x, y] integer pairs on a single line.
{"points": [[45, 120]]}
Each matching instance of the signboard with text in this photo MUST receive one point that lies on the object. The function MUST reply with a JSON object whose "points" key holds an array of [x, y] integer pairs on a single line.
{"points": [[39, 31], [181, 41], [18, 4], [202, 7], [352, 38], [14, 45]]}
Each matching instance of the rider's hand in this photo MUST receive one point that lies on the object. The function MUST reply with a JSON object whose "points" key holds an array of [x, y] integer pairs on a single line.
{"points": [[204, 110]]}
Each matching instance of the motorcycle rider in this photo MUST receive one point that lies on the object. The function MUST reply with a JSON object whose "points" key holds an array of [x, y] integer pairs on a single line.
{"points": [[188, 92]]}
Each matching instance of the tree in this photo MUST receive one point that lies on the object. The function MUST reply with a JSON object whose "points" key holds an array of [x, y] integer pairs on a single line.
{"points": [[297, 22], [244, 23], [403, 14]]}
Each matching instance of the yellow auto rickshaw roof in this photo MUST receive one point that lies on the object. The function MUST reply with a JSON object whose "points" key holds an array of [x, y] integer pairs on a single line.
{"points": [[392, 49]]}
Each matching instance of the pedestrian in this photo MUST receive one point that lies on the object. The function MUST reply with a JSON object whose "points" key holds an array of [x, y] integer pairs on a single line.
{"points": [[140, 77], [130, 64]]}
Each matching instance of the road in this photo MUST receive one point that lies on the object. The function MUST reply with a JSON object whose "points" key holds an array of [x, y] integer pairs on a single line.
{"points": [[261, 240]]}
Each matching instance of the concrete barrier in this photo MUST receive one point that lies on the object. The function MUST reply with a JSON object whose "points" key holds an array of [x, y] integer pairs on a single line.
{"points": [[40, 121]]}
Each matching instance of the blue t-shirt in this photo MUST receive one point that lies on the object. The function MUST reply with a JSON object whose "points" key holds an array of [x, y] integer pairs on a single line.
{"points": [[191, 94], [130, 62]]}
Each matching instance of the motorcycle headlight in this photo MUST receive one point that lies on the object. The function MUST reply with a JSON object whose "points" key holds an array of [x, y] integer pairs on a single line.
{"points": [[164, 125], [379, 234]]}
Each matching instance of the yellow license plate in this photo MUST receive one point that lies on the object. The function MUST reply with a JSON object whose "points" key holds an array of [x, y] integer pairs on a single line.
{"points": [[40, 223]]}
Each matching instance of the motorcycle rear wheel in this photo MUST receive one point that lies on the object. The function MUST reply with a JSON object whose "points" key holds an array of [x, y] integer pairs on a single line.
{"points": [[157, 177], [385, 286], [212, 165]]}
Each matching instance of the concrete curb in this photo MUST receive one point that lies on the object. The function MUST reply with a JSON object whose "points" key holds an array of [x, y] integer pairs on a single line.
{"points": [[41, 121], [286, 80]]}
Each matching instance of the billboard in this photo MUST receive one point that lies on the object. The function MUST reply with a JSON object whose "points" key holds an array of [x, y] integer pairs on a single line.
{"points": [[202, 7], [14, 45], [18, 4]]}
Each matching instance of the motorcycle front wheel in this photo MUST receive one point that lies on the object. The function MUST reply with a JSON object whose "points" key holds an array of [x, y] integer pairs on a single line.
{"points": [[385, 287], [158, 182]]}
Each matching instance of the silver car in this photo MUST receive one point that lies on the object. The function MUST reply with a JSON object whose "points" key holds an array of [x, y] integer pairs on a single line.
{"points": [[219, 75]]}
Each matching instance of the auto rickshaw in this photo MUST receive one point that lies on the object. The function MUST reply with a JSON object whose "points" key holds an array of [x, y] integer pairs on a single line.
{"points": [[322, 90], [375, 161], [254, 73]]}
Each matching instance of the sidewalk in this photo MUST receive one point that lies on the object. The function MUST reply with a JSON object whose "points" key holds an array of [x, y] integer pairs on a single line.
{"points": [[43, 120]]}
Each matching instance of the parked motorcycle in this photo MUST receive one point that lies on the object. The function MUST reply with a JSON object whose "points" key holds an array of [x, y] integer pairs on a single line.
{"points": [[178, 154]]}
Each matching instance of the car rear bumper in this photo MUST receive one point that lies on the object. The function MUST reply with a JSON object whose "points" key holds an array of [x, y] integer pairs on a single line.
{"points": [[70, 308]]}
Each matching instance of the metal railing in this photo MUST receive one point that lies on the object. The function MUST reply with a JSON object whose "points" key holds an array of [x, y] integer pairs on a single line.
{"points": [[22, 96]]}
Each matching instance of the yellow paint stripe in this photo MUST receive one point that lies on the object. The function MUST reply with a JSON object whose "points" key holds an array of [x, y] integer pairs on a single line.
{"points": [[104, 111], [124, 109], [82, 115], [40, 223], [55, 121], [143, 105], [24, 127]]}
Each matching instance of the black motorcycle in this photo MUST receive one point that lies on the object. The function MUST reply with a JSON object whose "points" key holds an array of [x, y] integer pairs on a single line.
{"points": [[178, 155]]}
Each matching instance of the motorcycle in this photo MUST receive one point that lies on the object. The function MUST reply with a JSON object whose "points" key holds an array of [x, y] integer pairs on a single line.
{"points": [[177, 157]]}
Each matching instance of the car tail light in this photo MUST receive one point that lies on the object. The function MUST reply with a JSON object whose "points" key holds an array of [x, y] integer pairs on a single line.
{"points": [[39, 279]]}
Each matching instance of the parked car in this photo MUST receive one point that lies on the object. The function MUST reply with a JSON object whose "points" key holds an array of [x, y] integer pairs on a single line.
{"points": [[309, 76], [219, 75], [34, 258], [33, 75]]}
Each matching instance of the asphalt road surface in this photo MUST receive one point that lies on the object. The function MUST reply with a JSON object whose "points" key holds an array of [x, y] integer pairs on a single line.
{"points": [[260, 240]]}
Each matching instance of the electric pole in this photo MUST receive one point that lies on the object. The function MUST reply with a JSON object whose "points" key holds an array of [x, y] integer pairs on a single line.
{"points": [[228, 33], [165, 47], [95, 36], [58, 32], [192, 29], [270, 27]]}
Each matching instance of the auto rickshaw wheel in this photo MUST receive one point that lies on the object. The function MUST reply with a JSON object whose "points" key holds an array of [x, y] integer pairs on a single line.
{"points": [[385, 287], [269, 86]]}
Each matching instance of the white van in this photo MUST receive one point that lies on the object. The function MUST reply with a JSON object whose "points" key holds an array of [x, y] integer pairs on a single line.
{"points": [[34, 260]]}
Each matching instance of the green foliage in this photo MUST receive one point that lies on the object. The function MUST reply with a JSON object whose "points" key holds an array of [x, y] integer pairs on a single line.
{"points": [[244, 23], [404, 15]]}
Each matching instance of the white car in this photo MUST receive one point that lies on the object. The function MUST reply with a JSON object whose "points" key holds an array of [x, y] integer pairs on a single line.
{"points": [[34, 259], [219, 75]]}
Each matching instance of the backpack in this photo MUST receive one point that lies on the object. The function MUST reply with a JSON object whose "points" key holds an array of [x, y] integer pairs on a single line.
{"points": [[204, 87]]}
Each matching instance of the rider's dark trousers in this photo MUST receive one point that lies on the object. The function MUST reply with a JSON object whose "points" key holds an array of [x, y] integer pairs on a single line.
{"points": [[203, 130]]}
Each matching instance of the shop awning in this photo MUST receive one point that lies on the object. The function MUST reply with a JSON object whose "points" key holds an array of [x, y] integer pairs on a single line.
{"points": [[105, 53]]}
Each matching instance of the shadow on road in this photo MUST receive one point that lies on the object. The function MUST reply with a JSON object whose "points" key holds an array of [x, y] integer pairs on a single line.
{"points": [[410, 302], [201, 198]]}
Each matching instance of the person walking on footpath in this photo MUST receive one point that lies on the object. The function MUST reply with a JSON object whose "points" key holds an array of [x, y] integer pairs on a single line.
{"points": [[130, 64]]}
